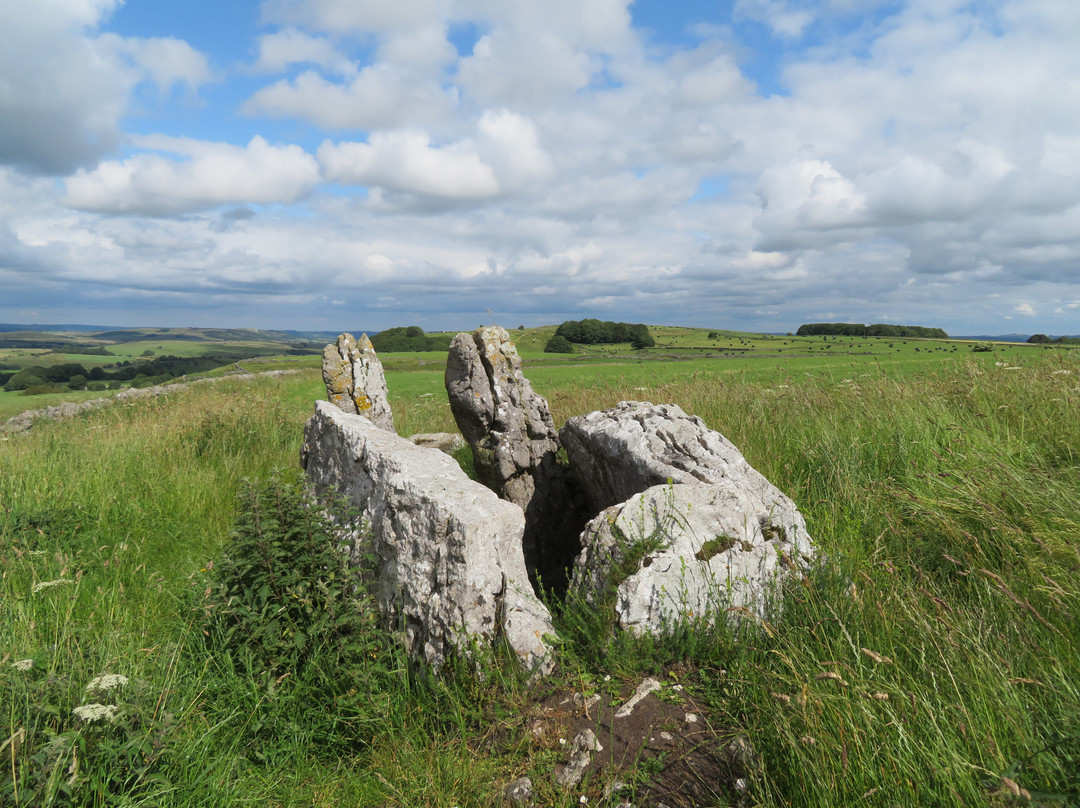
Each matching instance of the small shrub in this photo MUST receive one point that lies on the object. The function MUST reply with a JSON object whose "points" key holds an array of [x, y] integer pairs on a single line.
{"points": [[981, 347], [285, 613]]}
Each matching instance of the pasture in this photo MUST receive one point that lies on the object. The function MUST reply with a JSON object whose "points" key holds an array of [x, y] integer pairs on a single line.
{"points": [[933, 658]]}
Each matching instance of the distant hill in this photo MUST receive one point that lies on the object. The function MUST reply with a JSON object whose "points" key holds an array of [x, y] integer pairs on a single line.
{"points": [[52, 328], [998, 337]]}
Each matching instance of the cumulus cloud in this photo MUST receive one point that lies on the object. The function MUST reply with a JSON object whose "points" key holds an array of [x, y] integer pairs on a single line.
{"points": [[407, 162], [165, 61], [209, 175], [378, 97], [61, 96], [351, 15], [282, 49], [65, 87]]}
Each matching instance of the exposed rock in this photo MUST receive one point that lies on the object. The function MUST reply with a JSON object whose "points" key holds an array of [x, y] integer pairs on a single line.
{"points": [[519, 792], [355, 381], [448, 442], [718, 535], [581, 749], [448, 566], [514, 445], [646, 687]]}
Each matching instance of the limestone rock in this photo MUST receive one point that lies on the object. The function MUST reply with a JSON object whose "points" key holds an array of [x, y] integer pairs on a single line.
{"points": [[448, 442], [718, 535], [635, 445], [519, 792], [448, 567], [514, 444], [581, 749], [355, 381]]}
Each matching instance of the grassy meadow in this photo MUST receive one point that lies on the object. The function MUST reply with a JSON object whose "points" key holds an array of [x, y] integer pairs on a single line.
{"points": [[931, 658]]}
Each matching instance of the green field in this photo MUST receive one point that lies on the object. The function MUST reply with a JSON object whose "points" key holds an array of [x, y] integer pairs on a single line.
{"points": [[940, 486]]}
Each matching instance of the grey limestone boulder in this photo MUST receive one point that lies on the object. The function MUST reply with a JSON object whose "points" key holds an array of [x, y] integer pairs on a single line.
{"points": [[688, 526], [515, 444], [355, 382], [448, 568]]}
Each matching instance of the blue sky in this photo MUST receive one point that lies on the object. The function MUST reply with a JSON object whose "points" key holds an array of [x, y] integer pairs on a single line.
{"points": [[332, 164]]}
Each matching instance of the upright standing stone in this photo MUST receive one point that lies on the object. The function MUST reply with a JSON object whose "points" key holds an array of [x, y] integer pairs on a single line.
{"points": [[355, 381], [514, 445]]}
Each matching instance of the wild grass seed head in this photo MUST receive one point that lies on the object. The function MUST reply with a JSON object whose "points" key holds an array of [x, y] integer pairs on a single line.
{"points": [[43, 585]]}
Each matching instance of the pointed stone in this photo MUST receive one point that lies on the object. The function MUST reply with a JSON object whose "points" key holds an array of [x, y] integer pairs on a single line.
{"points": [[514, 444], [355, 381]]}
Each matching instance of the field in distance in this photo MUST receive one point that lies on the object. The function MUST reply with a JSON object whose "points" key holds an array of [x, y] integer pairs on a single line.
{"points": [[679, 352]]}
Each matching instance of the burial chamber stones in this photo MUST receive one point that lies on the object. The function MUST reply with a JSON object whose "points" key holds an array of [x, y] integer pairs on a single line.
{"points": [[448, 567], [655, 518]]}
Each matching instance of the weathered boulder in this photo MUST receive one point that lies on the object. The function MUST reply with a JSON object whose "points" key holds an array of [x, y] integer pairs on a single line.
{"points": [[688, 525], [448, 566], [355, 381], [514, 444]]}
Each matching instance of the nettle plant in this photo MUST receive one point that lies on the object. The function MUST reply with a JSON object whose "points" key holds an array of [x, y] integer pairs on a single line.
{"points": [[286, 617]]}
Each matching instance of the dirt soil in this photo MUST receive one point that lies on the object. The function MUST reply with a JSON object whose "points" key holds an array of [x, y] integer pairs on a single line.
{"points": [[667, 750]]}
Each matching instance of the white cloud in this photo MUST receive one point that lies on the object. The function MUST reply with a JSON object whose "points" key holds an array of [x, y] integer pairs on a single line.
{"points": [[212, 174], [61, 99], [1025, 308], [65, 89], [407, 162], [351, 15], [379, 97], [163, 60], [282, 49]]}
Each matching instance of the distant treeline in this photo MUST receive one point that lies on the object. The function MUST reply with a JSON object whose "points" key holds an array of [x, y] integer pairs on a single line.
{"points": [[77, 377], [408, 339], [860, 330], [601, 332]]}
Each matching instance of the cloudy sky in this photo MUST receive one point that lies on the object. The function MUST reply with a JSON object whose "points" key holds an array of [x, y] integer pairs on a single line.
{"points": [[750, 164]]}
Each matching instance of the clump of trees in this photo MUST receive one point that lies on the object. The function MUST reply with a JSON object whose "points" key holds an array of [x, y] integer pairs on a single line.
{"points": [[876, 330], [407, 339], [1042, 339], [558, 344], [604, 332]]}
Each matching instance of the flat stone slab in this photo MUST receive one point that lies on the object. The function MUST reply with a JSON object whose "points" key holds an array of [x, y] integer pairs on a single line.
{"points": [[449, 569]]}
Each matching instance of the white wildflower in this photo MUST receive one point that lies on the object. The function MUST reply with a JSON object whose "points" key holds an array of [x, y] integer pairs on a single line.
{"points": [[607, 677], [23, 665], [562, 741], [110, 681], [95, 712], [677, 687], [40, 585]]}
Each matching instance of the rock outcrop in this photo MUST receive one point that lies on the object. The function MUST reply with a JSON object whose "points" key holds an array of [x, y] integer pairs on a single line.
{"points": [[688, 526], [515, 445], [355, 381], [448, 569]]}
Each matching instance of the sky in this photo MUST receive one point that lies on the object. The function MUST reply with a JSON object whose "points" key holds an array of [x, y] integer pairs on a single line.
{"points": [[742, 164]]}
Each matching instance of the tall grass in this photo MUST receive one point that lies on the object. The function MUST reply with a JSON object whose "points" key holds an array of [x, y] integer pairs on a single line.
{"points": [[931, 659]]}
